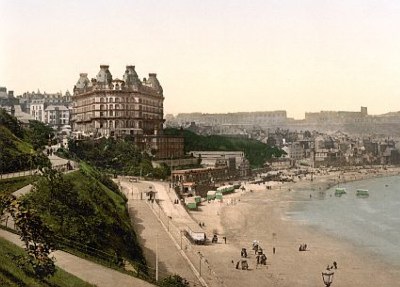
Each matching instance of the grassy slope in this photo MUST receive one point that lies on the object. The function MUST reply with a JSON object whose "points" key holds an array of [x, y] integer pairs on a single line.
{"points": [[18, 146], [118, 197], [12, 275], [110, 206], [9, 185]]}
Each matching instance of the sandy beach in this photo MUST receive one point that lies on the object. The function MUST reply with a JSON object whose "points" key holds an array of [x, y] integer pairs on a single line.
{"points": [[260, 215]]}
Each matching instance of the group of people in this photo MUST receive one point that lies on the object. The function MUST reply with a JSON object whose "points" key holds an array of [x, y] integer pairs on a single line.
{"points": [[303, 247], [333, 266], [261, 257]]}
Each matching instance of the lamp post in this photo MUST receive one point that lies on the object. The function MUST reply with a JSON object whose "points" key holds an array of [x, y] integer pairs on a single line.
{"points": [[200, 257], [327, 277], [181, 238], [157, 257]]}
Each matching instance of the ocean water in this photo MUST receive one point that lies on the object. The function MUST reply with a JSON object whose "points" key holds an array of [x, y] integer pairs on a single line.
{"points": [[372, 223]]}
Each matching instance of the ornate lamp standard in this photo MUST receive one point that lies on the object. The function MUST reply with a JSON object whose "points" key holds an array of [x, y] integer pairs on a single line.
{"points": [[327, 277]]}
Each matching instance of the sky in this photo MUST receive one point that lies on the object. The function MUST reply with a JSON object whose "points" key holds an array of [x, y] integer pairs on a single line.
{"points": [[213, 56]]}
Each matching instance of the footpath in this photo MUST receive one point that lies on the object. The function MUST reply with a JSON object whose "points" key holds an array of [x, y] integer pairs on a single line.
{"points": [[86, 270]]}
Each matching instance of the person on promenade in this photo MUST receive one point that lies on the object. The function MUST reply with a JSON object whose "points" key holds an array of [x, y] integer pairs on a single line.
{"points": [[243, 253], [263, 259]]}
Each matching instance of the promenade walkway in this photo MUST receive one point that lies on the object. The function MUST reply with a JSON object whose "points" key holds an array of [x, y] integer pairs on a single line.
{"points": [[175, 220], [153, 237]]}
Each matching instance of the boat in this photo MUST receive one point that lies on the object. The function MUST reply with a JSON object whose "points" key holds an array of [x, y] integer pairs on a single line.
{"points": [[362, 193], [340, 191]]}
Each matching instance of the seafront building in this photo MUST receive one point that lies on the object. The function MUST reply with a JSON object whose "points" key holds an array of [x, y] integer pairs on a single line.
{"points": [[111, 107], [108, 107], [235, 161], [198, 181]]}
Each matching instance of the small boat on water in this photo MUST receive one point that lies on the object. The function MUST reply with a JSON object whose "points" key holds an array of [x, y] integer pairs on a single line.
{"points": [[362, 193], [340, 191]]}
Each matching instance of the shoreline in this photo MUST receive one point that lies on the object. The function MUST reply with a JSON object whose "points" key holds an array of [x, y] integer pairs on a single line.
{"points": [[260, 215]]}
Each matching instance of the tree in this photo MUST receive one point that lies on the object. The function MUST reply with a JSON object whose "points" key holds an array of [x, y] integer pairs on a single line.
{"points": [[36, 235], [38, 134], [11, 123], [256, 152], [174, 281]]}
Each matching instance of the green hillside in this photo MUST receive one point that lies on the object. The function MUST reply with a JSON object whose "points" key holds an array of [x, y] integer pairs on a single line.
{"points": [[20, 149], [10, 185], [256, 152], [116, 156], [11, 273], [88, 214]]}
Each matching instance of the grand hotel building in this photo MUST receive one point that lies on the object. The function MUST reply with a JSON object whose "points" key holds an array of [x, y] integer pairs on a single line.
{"points": [[107, 107]]}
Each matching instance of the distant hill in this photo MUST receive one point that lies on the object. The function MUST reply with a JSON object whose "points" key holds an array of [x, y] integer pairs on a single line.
{"points": [[256, 152]]}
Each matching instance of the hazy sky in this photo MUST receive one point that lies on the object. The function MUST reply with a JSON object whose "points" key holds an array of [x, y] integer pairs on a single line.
{"points": [[213, 56]]}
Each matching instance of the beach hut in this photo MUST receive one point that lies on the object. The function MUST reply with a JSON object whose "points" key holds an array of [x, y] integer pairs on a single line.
{"points": [[211, 194], [197, 199], [340, 191], [226, 189], [190, 203], [362, 193]]}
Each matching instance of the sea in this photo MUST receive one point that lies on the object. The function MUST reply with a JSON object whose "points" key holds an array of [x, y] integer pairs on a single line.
{"points": [[372, 223]]}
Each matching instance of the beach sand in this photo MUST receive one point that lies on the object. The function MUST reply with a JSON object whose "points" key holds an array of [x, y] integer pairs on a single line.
{"points": [[260, 215]]}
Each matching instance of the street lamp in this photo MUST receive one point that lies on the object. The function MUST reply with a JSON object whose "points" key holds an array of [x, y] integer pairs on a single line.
{"points": [[327, 277], [201, 257]]}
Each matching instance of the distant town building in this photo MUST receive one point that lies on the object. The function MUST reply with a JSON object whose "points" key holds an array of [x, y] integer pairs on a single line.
{"points": [[240, 123], [48, 108], [56, 115], [294, 151], [37, 109], [198, 181], [336, 116], [235, 160], [7, 99], [241, 118]]}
